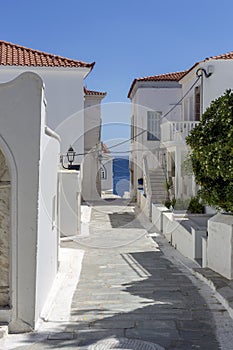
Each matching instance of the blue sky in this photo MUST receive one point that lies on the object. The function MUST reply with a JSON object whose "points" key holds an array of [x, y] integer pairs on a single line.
{"points": [[126, 38]]}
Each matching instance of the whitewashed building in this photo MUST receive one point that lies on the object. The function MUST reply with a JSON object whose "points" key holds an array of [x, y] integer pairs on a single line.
{"points": [[91, 187], [38, 200], [29, 232], [164, 109], [63, 79]]}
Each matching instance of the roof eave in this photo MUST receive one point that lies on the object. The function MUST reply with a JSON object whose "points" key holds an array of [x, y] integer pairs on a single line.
{"points": [[131, 88]]}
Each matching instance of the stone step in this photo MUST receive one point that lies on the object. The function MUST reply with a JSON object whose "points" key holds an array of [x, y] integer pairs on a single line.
{"points": [[157, 200], [158, 187], [158, 184], [157, 175], [161, 194]]}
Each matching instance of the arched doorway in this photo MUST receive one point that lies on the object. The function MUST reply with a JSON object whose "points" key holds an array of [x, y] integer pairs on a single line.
{"points": [[5, 224]]}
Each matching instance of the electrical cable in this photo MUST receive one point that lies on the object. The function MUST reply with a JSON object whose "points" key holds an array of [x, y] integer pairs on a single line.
{"points": [[173, 107], [143, 131]]}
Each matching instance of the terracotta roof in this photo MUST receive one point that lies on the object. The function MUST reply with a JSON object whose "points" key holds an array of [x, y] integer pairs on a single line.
{"points": [[16, 55], [94, 93], [225, 56], [176, 76], [179, 75], [164, 77]]}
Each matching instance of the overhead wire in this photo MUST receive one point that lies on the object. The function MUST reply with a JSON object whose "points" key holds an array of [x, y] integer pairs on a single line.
{"points": [[143, 131], [164, 116]]}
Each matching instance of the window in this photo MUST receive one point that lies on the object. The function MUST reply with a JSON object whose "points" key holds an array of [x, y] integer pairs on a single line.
{"points": [[197, 103], [153, 125], [103, 173]]}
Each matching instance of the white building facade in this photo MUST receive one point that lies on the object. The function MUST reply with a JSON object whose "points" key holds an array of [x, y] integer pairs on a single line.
{"points": [[29, 157], [175, 103], [91, 188], [63, 79], [38, 202]]}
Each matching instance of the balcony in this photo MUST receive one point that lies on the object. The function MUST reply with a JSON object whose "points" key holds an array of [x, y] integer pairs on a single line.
{"points": [[177, 131]]}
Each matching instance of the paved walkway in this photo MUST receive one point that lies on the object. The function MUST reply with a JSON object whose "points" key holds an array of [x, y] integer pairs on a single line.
{"points": [[135, 291]]}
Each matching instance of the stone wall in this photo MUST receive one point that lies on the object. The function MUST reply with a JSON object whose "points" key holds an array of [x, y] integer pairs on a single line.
{"points": [[5, 193]]}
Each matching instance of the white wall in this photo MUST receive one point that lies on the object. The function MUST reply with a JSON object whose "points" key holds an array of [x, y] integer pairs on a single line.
{"points": [[65, 96], [220, 245], [107, 184], [92, 121], [48, 233], [21, 127], [218, 82], [69, 202], [213, 86], [91, 186], [146, 99], [157, 211]]}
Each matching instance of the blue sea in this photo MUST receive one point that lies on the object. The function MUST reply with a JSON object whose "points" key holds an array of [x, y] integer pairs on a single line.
{"points": [[121, 176]]}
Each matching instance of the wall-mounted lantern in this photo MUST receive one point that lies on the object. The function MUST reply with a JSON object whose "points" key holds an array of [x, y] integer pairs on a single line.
{"points": [[70, 156]]}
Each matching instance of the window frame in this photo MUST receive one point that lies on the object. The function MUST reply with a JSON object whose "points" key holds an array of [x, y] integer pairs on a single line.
{"points": [[153, 131]]}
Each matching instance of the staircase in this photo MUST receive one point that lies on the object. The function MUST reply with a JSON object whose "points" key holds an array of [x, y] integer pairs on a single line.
{"points": [[157, 183]]}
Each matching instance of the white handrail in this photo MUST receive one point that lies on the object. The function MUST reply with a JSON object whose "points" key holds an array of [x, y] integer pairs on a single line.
{"points": [[172, 131]]}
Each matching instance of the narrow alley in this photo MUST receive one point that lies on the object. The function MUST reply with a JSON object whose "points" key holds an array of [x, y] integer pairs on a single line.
{"points": [[135, 292]]}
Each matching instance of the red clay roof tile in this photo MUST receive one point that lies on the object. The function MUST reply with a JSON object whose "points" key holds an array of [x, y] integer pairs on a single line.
{"points": [[94, 93], [179, 75], [17, 55], [176, 76], [225, 56]]}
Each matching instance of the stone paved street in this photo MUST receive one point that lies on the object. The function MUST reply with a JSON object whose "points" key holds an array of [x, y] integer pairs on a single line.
{"points": [[128, 288], [134, 286]]}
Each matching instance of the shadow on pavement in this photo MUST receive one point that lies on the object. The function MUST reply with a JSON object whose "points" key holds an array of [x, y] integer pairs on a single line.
{"points": [[157, 304]]}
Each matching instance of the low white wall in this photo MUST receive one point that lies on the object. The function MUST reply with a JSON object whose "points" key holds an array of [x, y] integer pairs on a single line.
{"points": [[220, 244], [70, 202], [156, 217], [167, 225], [185, 237], [143, 203]]}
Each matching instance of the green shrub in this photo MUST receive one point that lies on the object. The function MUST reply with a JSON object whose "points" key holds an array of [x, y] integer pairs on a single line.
{"points": [[195, 206], [212, 153]]}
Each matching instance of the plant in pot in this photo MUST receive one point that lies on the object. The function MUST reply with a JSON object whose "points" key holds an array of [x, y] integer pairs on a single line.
{"points": [[168, 201], [195, 206]]}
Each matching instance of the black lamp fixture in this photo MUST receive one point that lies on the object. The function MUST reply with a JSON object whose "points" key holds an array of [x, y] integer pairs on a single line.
{"points": [[208, 73], [70, 155]]}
